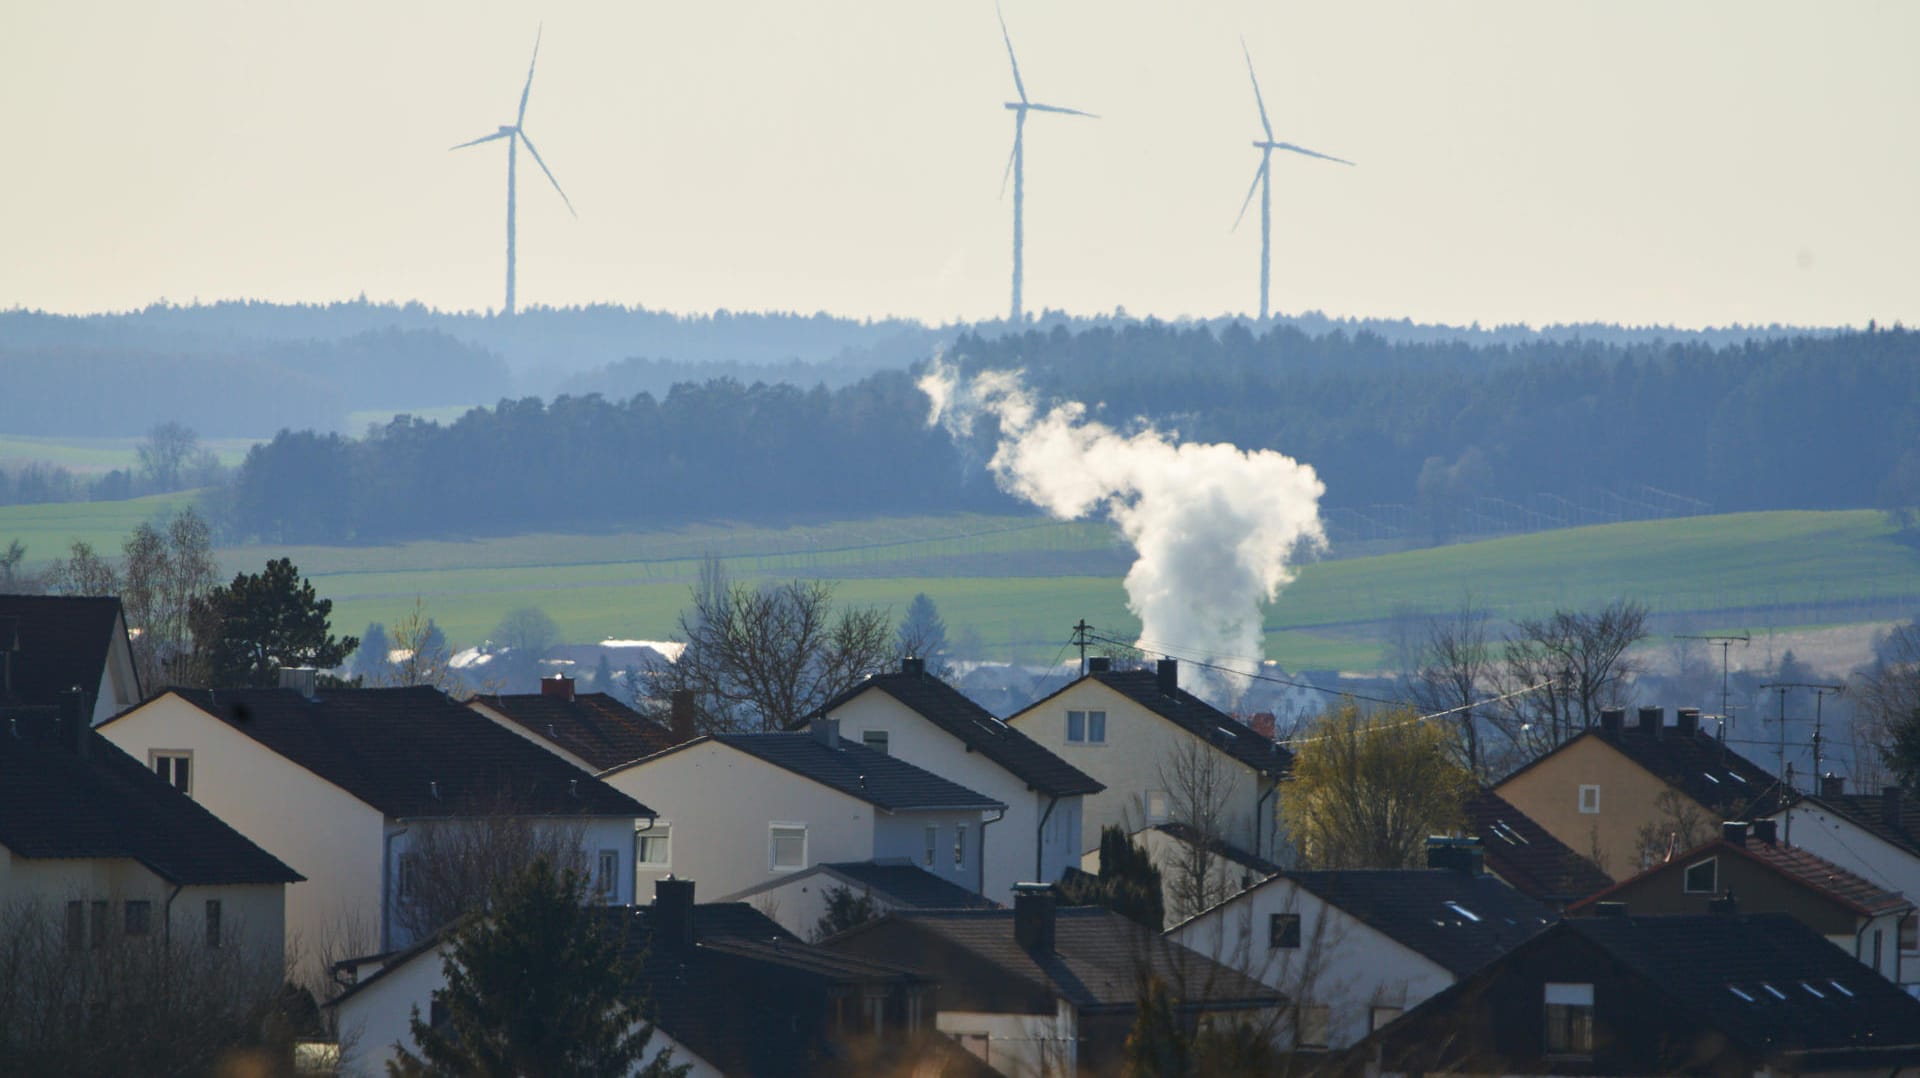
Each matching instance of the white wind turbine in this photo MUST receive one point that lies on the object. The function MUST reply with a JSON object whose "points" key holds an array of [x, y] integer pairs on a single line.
{"points": [[1017, 164], [1263, 182]]}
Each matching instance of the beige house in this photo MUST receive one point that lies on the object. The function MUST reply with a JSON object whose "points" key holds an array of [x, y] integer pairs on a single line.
{"points": [[1162, 753], [1623, 794]]}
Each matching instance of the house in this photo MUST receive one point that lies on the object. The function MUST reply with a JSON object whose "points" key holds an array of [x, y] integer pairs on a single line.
{"points": [[355, 787], [1721, 993], [108, 850], [1154, 745], [1872, 835], [1766, 875], [1197, 871], [52, 643], [1624, 794], [1037, 990], [591, 730], [1526, 856], [921, 719], [1355, 948], [798, 900], [730, 993], [740, 810]]}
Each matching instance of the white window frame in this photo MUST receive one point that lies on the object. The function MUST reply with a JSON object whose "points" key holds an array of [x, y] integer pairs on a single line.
{"points": [[661, 833], [607, 878], [1313, 1026], [1101, 717], [773, 834], [959, 845], [1160, 812], [932, 832], [1686, 877], [154, 757], [876, 740], [1567, 995], [1082, 716], [1589, 806]]}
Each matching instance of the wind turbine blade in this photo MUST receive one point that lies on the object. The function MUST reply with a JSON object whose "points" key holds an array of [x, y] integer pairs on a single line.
{"points": [[528, 88], [1062, 111], [548, 171], [1311, 153], [481, 139], [1008, 174], [1017, 84], [1257, 99], [1258, 175]]}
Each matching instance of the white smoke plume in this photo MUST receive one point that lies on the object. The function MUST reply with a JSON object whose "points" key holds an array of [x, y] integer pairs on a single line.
{"points": [[1214, 527]]}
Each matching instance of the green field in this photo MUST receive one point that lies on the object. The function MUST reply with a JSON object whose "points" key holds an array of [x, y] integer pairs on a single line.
{"points": [[1020, 582], [95, 456]]}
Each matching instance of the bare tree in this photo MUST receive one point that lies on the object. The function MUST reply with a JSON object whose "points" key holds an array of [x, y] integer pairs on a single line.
{"points": [[425, 659], [1580, 659], [1198, 786], [1887, 701], [1677, 826], [166, 571], [451, 865], [1455, 670], [83, 572], [165, 453], [12, 577]]}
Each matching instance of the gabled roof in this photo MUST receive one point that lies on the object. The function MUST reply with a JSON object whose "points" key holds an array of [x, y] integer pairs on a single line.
{"points": [[1221, 848], [1711, 774], [1457, 920], [852, 769], [895, 882], [1527, 856], [57, 804], [1870, 813], [1791, 863], [951, 710], [64, 640], [1190, 713], [411, 752], [592, 726]]}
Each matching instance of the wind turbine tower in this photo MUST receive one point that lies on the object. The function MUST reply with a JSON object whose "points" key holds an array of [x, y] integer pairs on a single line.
{"points": [[516, 135], [1263, 183], [1017, 164]]}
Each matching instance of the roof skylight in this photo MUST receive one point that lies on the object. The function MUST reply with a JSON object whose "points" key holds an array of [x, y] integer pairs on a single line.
{"points": [[1772, 991], [1812, 991], [1842, 989], [1463, 911], [1739, 993], [1710, 777]]}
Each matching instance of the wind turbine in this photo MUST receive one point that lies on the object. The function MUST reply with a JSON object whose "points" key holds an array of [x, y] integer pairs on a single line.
{"points": [[1263, 182], [516, 134], [1017, 164]]}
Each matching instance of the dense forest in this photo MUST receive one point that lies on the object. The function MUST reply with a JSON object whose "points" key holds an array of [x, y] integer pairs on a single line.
{"points": [[1792, 422]]}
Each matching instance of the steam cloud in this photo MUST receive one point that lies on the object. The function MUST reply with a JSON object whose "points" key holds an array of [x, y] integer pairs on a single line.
{"points": [[1214, 527]]}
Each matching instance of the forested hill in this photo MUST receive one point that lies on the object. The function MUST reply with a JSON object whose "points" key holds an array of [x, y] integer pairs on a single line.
{"points": [[1804, 422]]}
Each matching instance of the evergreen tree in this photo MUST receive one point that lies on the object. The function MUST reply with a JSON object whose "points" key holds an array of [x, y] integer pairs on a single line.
{"points": [[262, 622], [923, 634], [845, 910], [1128, 883], [1157, 1047]]}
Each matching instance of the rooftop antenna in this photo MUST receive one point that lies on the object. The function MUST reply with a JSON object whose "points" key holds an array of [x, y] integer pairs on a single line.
{"points": [[1080, 632], [1726, 695], [516, 135], [1017, 163], [1263, 181], [1821, 691]]}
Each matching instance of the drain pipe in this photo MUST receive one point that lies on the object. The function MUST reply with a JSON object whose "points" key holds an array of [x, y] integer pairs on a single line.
{"points": [[1040, 844], [980, 870]]}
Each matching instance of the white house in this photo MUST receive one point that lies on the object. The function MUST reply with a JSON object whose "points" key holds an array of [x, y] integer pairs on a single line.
{"points": [[1195, 873], [1353, 949], [799, 900], [739, 810], [921, 719], [52, 643], [349, 785], [1158, 749]]}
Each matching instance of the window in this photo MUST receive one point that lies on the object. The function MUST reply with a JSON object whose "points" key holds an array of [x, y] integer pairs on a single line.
{"points": [[1283, 932], [933, 843], [959, 845], [1589, 799], [1310, 1030], [213, 922], [1156, 806], [787, 847], [1569, 1019], [1076, 726], [76, 925], [175, 768], [139, 918], [874, 739], [1877, 934], [101, 911], [1096, 727], [656, 846], [1702, 878], [1380, 1016], [409, 867], [608, 879], [1910, 933]]}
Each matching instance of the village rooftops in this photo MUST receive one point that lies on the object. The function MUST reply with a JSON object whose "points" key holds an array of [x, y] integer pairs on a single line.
{"points": [[1683, 756], [52, 643], [1159, 692], [895, 883], [1527, 856], [594, 727], [1791, 863]]}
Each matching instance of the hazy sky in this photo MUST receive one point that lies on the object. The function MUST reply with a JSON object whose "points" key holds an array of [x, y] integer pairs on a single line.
{"points": [[1698, 163]]}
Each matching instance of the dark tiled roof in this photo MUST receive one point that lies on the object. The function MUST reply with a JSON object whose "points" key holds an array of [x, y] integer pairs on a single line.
{"points": [[1246, 859], [593, 726], [1822, 876], [1426, 910], [64, 641], [55, 803], [857, 771], [951, 710], [1869, 813], [1193, 715], [902, 883], [1713, 775], [394, 748], [1525, 855]]}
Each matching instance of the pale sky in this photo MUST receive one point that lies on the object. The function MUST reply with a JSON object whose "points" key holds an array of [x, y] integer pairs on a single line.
{"points": [[1694, 164]]}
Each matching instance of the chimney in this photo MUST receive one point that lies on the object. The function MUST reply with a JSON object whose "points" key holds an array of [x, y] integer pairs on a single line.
{"points": [[559, 686], [1168, 675], [913, 666], [1767, 831], [1724, 904], [1457, 854], [680, 718], [1100, 664], [1033, 917], [1892, 801], [1832, 785], [301, 679], [673, 913], [74, 726], [827, 732], [1650, 720], [1686, 722], [1262, 724], [1735, 832], [1609, 909], [1612, 719]]}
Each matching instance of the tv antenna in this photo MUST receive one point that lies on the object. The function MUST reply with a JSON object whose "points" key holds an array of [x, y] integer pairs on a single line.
{"points": [[1820, 693], [1081, 640], [1726, 695]]}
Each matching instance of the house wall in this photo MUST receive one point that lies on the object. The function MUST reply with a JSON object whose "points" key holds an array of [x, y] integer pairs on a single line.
{"points": [[251, 915], [1549, 792], [1821, 831], [1139, 755], [1018, 1045], [1341, 962], [319, 830], [1758, 890], [904, 835], [1225, 877]]}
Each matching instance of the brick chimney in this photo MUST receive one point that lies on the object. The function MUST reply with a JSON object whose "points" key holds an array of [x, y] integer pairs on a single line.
{"points": [[1168, 676], [1686, 722], [673, 913], [1832, 785], [1767, 831], [1651, 719], [1099, 664], [1611, 719], [559, 687], [1734, 831], [913, 666], [1033, 917]]}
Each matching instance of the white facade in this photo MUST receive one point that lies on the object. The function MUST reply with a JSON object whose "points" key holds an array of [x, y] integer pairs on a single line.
{"points": [[1823, 832], [1338, 962], [722, 809], [249, 915], [119, 687], [1018, 1045], [1225, 876], [1023, 848]]}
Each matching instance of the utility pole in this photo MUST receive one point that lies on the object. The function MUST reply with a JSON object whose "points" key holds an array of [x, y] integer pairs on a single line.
{"points": [[1080, 632], [1821, 691], [1726, 695]]}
